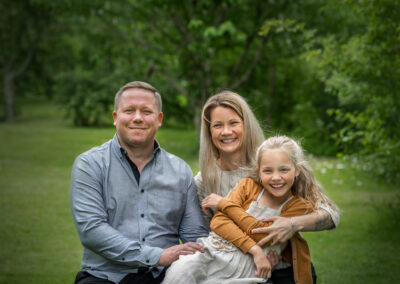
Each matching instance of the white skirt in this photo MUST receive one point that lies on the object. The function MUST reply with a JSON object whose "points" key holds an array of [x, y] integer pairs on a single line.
{"points": [[221, 262]]}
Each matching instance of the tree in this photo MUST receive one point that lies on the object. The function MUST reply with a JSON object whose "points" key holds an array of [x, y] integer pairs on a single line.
{"points": [[363, 71], [189, 48], [22, 26]]}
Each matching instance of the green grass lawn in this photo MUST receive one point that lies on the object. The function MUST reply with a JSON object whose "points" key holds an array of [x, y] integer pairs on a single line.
{"points": [[38, 240]]}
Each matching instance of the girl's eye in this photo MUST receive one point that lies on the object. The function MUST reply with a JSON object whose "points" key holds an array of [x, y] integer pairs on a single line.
{"points": [[267, 171], [216, 125], [284, 170]]}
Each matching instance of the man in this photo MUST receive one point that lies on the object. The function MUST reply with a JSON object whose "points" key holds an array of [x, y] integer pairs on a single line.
{"points": [[131, 200]]}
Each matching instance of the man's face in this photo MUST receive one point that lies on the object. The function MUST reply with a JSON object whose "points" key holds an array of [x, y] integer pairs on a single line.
{"points": [[137, 118]]}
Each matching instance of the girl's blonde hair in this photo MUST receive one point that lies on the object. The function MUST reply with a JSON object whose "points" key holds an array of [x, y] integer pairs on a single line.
{"points": [[208, 154], [305, 184]]}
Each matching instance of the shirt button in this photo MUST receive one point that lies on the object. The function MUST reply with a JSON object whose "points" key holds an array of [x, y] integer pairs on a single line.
{"points": [[142, 215], [147, 261], [142, 191], [143, 239]]}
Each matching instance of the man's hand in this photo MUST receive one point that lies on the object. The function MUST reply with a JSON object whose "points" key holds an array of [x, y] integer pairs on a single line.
{"points": [[171, 254], [210, 201], [263, 266], [280, 231]]}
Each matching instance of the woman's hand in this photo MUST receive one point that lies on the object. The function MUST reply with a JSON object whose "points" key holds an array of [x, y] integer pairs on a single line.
{"points": [[280, 231], [263, 266], [210, 201]]}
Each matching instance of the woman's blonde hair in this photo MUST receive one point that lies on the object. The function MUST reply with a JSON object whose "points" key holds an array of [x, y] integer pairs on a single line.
{"points": [[208, 154], [305, 184]]}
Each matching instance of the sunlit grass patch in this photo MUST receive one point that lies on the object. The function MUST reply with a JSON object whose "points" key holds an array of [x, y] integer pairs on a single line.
{"points": [[38, 240]]}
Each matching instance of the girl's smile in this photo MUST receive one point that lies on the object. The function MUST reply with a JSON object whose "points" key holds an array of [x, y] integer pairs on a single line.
{"points": [[277, 174]]}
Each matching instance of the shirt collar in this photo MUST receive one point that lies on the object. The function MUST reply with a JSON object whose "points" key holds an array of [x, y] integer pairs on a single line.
{"points": [[122, 151]]}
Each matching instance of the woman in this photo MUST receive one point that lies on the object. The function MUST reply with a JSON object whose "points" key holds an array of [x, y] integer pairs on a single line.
{"points": [[230, 135]]}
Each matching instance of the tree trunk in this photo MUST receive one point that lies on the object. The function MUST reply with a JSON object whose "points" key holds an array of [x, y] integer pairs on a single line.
{"points": [[9, 77], [9, 96]]}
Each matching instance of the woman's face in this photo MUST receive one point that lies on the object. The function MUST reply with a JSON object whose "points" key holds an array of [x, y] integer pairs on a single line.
{"points": [[226, 129]]}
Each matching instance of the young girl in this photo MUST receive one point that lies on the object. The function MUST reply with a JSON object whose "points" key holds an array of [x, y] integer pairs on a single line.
{"points": [[281, 184]]}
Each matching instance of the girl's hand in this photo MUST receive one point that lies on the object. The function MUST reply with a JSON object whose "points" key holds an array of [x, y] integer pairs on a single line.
{"points": [[273, 258], [263, 266], [210, 201]]}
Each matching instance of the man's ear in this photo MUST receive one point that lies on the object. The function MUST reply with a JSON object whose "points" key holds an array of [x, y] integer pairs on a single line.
{"points": [[114, 114], [160, 119]]}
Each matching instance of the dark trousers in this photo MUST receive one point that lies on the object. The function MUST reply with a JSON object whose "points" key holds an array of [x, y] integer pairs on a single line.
{"points": [[286, 276], [146, 278]]}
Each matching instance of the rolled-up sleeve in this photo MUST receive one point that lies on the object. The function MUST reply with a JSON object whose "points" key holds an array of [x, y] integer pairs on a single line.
{"points": [[91, 219]]}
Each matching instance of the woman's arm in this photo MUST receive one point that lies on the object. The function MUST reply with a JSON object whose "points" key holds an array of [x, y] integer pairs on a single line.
{"points": [[284, 227], [317, 221], [201, 195], [234, 210], [259, 230]]}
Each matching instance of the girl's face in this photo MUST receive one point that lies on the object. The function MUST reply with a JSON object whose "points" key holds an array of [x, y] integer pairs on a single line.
{"points": [[277, 174], [226, 129]]}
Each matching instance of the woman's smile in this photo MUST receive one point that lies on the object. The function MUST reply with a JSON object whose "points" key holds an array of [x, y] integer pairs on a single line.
{"points": [[226, 129]]}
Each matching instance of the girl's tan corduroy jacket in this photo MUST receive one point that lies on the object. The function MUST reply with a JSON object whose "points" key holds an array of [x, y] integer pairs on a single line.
{"points": [[233, 224]]}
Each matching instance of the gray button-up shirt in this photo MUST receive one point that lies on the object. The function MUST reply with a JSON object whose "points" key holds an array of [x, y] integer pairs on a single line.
{"points": [[124, 225]]}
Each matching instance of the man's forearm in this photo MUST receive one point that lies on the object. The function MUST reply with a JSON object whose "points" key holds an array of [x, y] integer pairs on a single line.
{"points": [[317, 221]]}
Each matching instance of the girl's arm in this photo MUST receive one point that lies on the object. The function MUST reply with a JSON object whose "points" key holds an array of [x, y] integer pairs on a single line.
{"points": [[263, 266], [233, 223], [227, 229], [249, 224], [241, 218], [223, 225]]}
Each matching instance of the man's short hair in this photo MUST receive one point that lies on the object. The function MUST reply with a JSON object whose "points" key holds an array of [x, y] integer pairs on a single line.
{"points": [[139, 85]]}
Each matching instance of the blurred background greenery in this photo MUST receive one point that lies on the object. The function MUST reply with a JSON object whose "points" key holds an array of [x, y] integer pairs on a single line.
{"points": [[326, 72]]}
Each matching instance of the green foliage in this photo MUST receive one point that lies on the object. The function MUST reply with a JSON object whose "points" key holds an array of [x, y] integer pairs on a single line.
{"points": [[363, 73], [281, 25], [187, 49], [324, 71], [91, 103]]}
